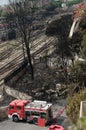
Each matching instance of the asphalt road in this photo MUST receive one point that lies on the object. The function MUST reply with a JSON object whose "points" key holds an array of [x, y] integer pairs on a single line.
{"points": [[9, 125]]}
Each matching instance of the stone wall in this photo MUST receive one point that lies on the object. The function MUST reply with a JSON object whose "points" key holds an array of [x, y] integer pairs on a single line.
{"points": [[17, 94], [3, 113]]}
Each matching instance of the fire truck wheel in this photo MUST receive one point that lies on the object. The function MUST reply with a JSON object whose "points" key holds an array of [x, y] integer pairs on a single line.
{"points": [[35, 120], [15, 118]]}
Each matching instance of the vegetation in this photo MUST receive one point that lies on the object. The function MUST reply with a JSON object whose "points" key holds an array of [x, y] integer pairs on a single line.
{"points": [[57, 4], [72, 2], [79, 73], [73, 107], [75, 43], [83, 51], [81, 124], [68, 48], [53, 5], [60, 29], [1, 12], [83, 31]]}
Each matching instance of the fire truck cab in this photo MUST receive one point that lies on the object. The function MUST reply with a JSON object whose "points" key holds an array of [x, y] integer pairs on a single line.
{"points": [[16, 109], [30, 111]]}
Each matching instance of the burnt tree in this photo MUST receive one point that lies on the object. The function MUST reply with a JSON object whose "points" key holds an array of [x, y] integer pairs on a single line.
{"points": [[23, 12]]}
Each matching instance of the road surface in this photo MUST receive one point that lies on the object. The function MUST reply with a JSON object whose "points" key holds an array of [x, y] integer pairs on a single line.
{"points": [[9, 125]]}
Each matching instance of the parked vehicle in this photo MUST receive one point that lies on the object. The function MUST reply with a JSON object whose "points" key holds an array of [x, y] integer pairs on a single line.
{"points": [[30, 111], [56, 127]]}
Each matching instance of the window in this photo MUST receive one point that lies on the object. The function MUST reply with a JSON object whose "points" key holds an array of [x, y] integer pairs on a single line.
{"points": [[18, 108], [11, 107], [43, 115], [34, 113], [27, 113]]}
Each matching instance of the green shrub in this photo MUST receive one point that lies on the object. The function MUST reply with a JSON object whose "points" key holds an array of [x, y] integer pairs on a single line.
{"points": [[52, 6], [70, 3], [73, 105]]}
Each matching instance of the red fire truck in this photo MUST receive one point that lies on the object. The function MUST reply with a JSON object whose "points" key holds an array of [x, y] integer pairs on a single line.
{"points": [[30, 111]]}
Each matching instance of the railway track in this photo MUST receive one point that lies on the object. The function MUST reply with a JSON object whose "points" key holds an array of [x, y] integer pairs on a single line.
{"points": [[11, 55], [7, 53], [38, 48], [45, 48]]}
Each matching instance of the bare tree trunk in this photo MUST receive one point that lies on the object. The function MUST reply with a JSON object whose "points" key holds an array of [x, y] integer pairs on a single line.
{"points": [[26, 41], [23, 49], [30, 62], [23, 12]]}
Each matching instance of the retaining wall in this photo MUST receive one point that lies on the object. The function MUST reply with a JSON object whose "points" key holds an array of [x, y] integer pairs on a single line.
{"points": [[3, 113]]}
